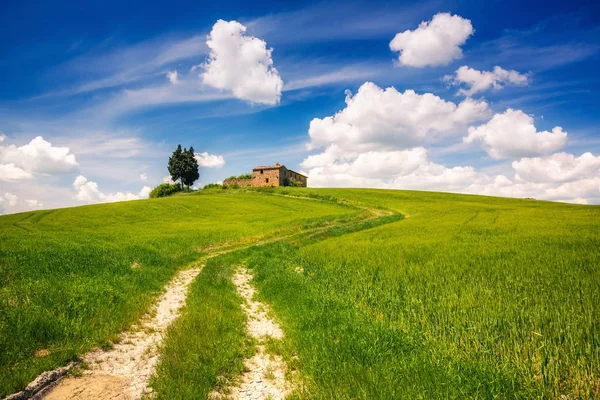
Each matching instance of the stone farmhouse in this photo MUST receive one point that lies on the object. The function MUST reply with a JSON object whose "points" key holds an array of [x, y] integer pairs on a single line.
{"points": [[270, 175]]}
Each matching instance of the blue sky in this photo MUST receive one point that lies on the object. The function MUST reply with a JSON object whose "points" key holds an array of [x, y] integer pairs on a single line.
{"points": [[93, 77]]}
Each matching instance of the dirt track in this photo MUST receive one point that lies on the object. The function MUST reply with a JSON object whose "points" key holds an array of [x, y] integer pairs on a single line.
{"points": [[123, 371]]}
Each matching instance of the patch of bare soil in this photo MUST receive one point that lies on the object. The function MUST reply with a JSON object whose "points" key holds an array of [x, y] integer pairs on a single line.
{"points": [[123, 371], [91, 387], [265, 375]]}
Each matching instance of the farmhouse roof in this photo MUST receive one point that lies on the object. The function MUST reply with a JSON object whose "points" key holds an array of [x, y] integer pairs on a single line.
{"points": [[268, 167], [298, 173], [276, 166]]}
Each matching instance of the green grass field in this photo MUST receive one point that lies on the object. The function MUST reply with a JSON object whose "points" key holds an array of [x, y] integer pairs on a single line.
{"points": [[464, 297], [71, 279], [469, 297]]}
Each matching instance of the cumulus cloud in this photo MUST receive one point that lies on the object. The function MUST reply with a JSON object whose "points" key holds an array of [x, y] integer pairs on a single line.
{"points": [[513, 135], [173, 77], [38, 156], [11, 199], [8, 200], [559, 167], [34, 204], [209, 160], [412, 169], [380, 119], [479, 81], [143, 177], [10, 173], [581, 191], [364, 145], [88, 191], [435, 42], [241, 64], [406, 169], [374, 141], [145, 192]]}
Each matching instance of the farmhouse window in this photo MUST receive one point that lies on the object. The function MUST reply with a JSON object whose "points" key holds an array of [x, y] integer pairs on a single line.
{"points": [[261, 171], [267, 180]]}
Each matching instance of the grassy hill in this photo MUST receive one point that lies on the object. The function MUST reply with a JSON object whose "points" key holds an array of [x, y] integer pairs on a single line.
{"points": [[70, 279], [464, 297]]}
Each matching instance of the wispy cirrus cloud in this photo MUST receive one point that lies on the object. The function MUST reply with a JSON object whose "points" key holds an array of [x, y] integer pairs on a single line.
{"points": [[188, 90], [115, 67], [539, 48], [321, 22]]}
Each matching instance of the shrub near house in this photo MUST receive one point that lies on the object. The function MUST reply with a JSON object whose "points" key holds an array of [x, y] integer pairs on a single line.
{"points": [[164, 190]]}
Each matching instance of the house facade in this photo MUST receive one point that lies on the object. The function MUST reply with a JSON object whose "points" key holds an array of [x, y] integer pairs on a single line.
{"points": [[270, 175], [276, 175]]}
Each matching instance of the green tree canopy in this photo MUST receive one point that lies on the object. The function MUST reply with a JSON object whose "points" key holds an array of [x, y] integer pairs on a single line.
{"points": [[176, 165], [190, 170], [183, 166]]}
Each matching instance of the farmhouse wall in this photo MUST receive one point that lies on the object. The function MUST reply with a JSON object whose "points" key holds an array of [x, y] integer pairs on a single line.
{"points": [[269, 176], [239, 182], [294, 176], [275, 175]]}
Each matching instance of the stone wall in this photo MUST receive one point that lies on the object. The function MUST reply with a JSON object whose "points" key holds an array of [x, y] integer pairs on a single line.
{"points": [[268, 177], [239, 182], [298, 178]]}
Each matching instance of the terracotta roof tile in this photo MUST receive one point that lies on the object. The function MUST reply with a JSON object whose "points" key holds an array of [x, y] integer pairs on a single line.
{"points": [[268, 167]]}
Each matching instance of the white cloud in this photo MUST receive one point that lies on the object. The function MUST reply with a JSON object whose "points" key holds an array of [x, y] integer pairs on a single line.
{"points": [[513, 135], [167, 179], [33, 204], [318, 73], [11, 199], [2, 137], [380, 160], [164, 94], [126, 65], [145, 192], [406, 169], [582, 191], [79, 181], [88, 191], [371, 142], [173, 77], [241, 64], [105, 144], [559, 167], [209, 160], [381, 119], [143, 177], [38, 156], [479, 81], [412, 169], [435, 42], [10, 173]]}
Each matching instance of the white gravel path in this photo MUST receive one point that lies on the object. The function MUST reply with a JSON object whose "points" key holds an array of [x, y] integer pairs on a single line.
{"points": [[265, 375], [123, 371]]}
